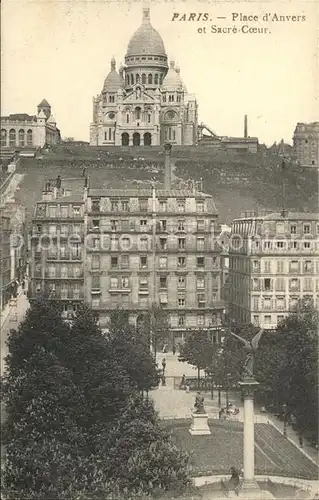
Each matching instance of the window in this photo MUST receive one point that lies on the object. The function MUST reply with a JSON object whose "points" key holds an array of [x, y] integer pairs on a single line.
{"points": [[201, 300], [200, 225], [200, 261], [181, 320], [294, 284], [293, 229], [163, 262], [280, 266], [95, 223], [162, 225], [114, 205], [76, 228], [125, 261], [64, 272], [95, 262], [306, 244], [267, 319], [64, 293], [200, 282], [163, 243], [181, 301], [280, 227], [125, 205], [63, 252], [114, 283], [143, 244], [294, 266], [163, 281], [308, 266], [181, 261], [267, 267], [125, 225], [307, 285], [181, 225], [95, 302], [52, 211], [267, 284], [125, 243], [95, 243], [95, 283], [143, 205], [143, 284], [95, 205], [181, 282], [181, 243], [267, 246], [200, 206], [163, 206], [114, 225], [51, 271], [256, 303], [29, 137], [256, 320], [52, 229], [200, 244], [280, 302], [256, 266], [255, 284], [280, 244], [64, 211], [114, 243], [180, 205], [143, 224], [127, 118], [114, 262], [143, 261], [306, 228], [124, 282], [293, 302], [280, 284], [200, 320], [280, 318]]}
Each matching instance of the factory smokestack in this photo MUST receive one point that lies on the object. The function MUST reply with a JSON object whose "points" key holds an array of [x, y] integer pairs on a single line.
{"points": [[245, 128], [167, 167]]}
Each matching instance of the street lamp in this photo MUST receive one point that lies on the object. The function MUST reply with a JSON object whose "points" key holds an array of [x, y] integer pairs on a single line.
{"points": [[284, 409]]}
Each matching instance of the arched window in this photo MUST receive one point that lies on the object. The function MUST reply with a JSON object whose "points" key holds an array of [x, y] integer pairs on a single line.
{"points": [[110, 134], [127, 118], [21, 137], [160, 79], [156, 79], [12, 137], [150, 79], [149, 118], [132, 79], [143, 78], [138, 113], [29, 137], [3, 137], [127, 79], [137, 78]]}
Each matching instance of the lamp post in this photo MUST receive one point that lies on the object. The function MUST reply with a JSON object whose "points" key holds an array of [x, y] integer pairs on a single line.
{"points": [[284, 409]]}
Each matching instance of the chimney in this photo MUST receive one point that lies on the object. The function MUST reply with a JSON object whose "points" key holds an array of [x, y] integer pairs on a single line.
{"points": [[245, 128], [167, 167]]}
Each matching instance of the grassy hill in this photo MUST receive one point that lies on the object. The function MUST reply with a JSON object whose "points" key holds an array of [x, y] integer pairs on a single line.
{"points": [[238, 183]]}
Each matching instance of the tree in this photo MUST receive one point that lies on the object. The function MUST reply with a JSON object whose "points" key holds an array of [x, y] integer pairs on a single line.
{"points": [[142, 457], [130, 350], [198, 351]]}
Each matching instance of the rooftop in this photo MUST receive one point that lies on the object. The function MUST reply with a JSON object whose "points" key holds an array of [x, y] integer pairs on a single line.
{"points": [[148, 193], [278, 216]]}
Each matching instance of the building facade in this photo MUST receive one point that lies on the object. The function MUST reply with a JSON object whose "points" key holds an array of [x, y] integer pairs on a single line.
{"points": [[148, 247], [306, 144], [23, 130], [146, 102], [5, 260], [56, 260], [274, 262]]}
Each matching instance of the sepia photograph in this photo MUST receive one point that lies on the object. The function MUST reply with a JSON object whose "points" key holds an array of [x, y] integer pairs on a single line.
{"points": [[159, 249]]}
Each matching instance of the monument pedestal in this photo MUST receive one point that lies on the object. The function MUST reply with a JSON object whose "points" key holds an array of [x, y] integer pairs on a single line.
{"points": [[199, 425]]}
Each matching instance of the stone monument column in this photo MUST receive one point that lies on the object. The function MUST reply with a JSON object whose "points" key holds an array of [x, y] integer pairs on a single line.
{"points": [[249, 483]]}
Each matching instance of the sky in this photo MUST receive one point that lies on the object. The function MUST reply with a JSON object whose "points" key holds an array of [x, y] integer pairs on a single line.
{"points": [[61, 50]]}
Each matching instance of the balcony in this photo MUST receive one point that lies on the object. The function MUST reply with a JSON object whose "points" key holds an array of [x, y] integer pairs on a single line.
{"points": [[59, 276]]}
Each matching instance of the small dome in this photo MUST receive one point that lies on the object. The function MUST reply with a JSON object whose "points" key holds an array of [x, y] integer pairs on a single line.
{"points": [[172, 80], [44, 103], [113, 81], [146, 40]]}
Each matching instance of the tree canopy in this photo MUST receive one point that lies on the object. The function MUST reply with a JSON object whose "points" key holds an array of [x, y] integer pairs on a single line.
{"points": [[75, 413]]}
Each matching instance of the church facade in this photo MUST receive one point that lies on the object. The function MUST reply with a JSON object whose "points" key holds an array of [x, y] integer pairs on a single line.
{"points": [[145, 102]]}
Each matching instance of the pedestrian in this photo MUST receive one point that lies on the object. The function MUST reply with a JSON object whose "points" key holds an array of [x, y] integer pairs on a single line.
{"points": [[163, 365], [174, 349], [301, 441], [163, 380]]}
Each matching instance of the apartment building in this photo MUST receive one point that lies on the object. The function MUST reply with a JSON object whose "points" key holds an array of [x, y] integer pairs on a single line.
{"points": [[148, 247], [274, 261], [306, 144], [57, 243], [5, 260]]}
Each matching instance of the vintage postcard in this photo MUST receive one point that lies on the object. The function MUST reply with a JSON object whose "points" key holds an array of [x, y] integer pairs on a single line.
{"points": [[159, 256]]}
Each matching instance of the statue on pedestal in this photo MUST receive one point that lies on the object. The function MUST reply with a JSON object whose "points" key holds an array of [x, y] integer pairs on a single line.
{"points": [[250, 348], [199, 403]]}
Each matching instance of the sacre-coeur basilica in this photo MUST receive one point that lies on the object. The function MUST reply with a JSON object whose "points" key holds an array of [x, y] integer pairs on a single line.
{"points": [[144, 102]]}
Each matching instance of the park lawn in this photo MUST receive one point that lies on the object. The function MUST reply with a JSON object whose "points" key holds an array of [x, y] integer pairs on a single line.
{"points": [[223, 449]]}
